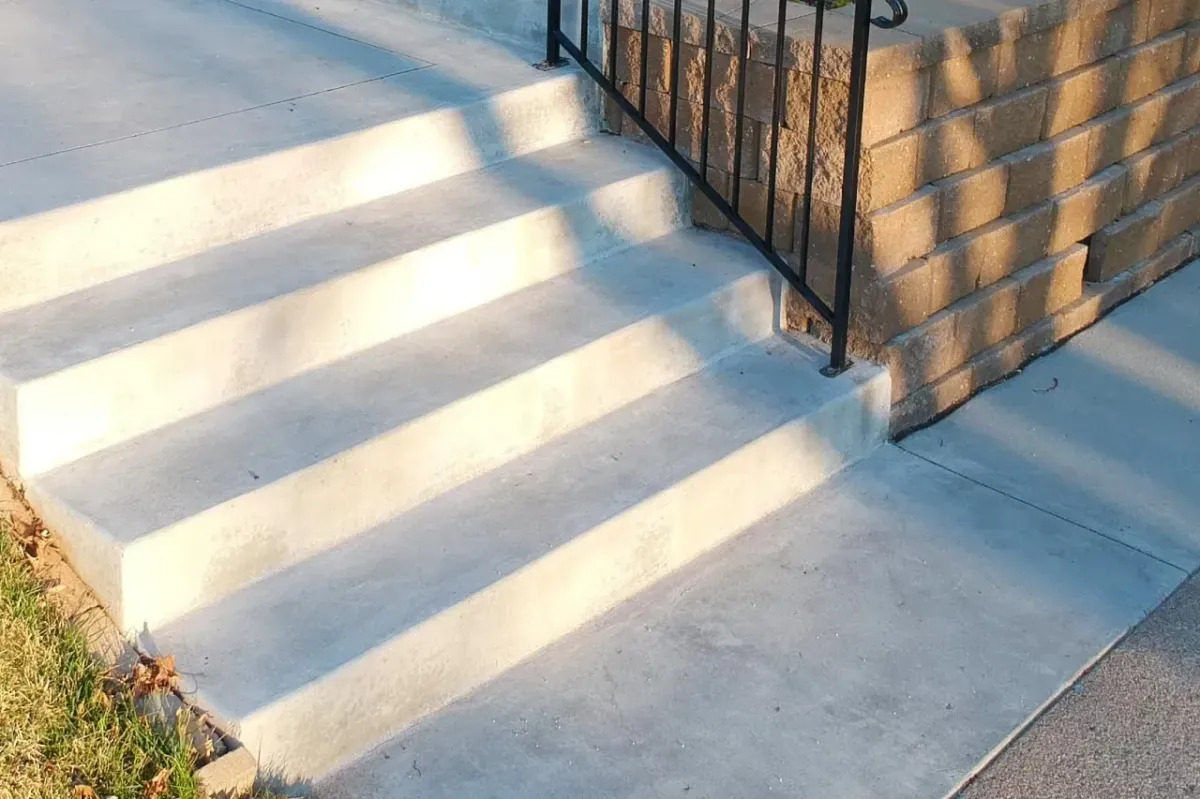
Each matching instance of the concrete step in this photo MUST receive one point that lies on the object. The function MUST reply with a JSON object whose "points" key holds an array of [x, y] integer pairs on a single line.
{"points": [[193, 511], [100, 366], [316, 664], [437, 104]]}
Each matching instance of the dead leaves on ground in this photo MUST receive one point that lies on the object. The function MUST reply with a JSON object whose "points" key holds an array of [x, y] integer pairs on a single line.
{"points": [[154, 676], [158, 786]]}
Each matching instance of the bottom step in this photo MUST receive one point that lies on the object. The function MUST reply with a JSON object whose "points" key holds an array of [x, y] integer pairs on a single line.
{"points": [[873, 640], [315, 665]]}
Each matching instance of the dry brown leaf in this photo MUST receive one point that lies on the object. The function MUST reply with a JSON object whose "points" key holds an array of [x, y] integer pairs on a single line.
{"points": [[158, 786], [83, 792], [154, 675]]}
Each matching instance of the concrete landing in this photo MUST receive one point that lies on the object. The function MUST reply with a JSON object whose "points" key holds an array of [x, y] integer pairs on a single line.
{"points": [[1104, 432], [876, 638]]}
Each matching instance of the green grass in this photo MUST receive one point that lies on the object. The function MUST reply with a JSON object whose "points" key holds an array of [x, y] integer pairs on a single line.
{"points": [[62, 722]]}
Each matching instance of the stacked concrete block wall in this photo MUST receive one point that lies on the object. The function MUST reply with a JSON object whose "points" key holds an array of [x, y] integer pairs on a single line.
{"points": [[1019, 176]]}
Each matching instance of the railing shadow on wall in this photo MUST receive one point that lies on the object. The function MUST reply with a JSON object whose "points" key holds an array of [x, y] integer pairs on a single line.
{"points": [[837, 314]]}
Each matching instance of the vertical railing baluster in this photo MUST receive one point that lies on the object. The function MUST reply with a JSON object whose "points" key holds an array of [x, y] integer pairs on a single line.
{"points": [[676, 46], [845, 256], [706, 101], [740, 117], [776, 113], [612, 41], [553, 24], [810, 152], [583, 27], [645, 55]]}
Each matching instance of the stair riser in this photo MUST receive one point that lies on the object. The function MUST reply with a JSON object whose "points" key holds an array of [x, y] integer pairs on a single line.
{"points": [[389, 687], [72, 248], [189, 564], [135, 390]]}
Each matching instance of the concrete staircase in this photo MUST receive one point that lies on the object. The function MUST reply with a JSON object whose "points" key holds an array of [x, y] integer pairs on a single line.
{"points": [[356, 401]]}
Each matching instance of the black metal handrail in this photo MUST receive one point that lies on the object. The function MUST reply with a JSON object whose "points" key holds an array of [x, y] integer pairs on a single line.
{"points": [[837, 316]]}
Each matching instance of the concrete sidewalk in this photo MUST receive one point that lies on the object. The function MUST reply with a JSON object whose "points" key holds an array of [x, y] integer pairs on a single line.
{"points": [[884, 635]]}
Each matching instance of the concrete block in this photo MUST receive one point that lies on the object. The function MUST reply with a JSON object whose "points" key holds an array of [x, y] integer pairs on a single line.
{"points": [[1108, 33], [1036, 58], [987, 255], [1081, 95], [1191, 58], [889, 306], [886, 239], [230, 776], [950, 145], [1193, 162], [923, 354], [1180, 209], [890, 171], [971, 199], [959, 82], [1050, 285], [1008, 123], [1118, 246], [1082, 211], [893, 104], [1167, 15], [754, 210], [1154, 171], [987, 316], [1169, 257], [1128, 130], [1182, 101], [1048, 168], [1151, 66]]}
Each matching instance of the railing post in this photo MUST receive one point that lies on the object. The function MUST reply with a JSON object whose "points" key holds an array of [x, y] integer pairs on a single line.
{"points": [[838, 362], [553, 26]]}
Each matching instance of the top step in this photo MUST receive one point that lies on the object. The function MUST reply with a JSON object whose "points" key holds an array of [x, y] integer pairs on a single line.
{"points": [[219, 121]]}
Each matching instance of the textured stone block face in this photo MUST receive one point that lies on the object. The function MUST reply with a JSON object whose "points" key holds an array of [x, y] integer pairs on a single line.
{"points": [[1193, 167], [960, 82], [972, 199], [1167, 15], [1154, 172], [1191, 58], [1008, 123], [754, 210], [1106, 34], [1082, 94], [987, 255], [1082, 211], [988, 316], [949, 145], [1180, 209], [895, 304], [1128, 130], [923, 354], [1118, 246], [1182, 101], [1151, 66], [1168, 258], [1050, 285], [893, 105], [1046, 169], [1038, 57]]}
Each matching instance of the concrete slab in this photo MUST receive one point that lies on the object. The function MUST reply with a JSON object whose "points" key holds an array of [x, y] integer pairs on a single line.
{"points": [[873, 639], [76, 73], [1104, 432]]}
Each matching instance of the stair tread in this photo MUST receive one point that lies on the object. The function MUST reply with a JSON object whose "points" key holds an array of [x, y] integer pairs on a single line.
{"points": [[275, 636], [142, 485], [178, 120], [60, 333]]}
